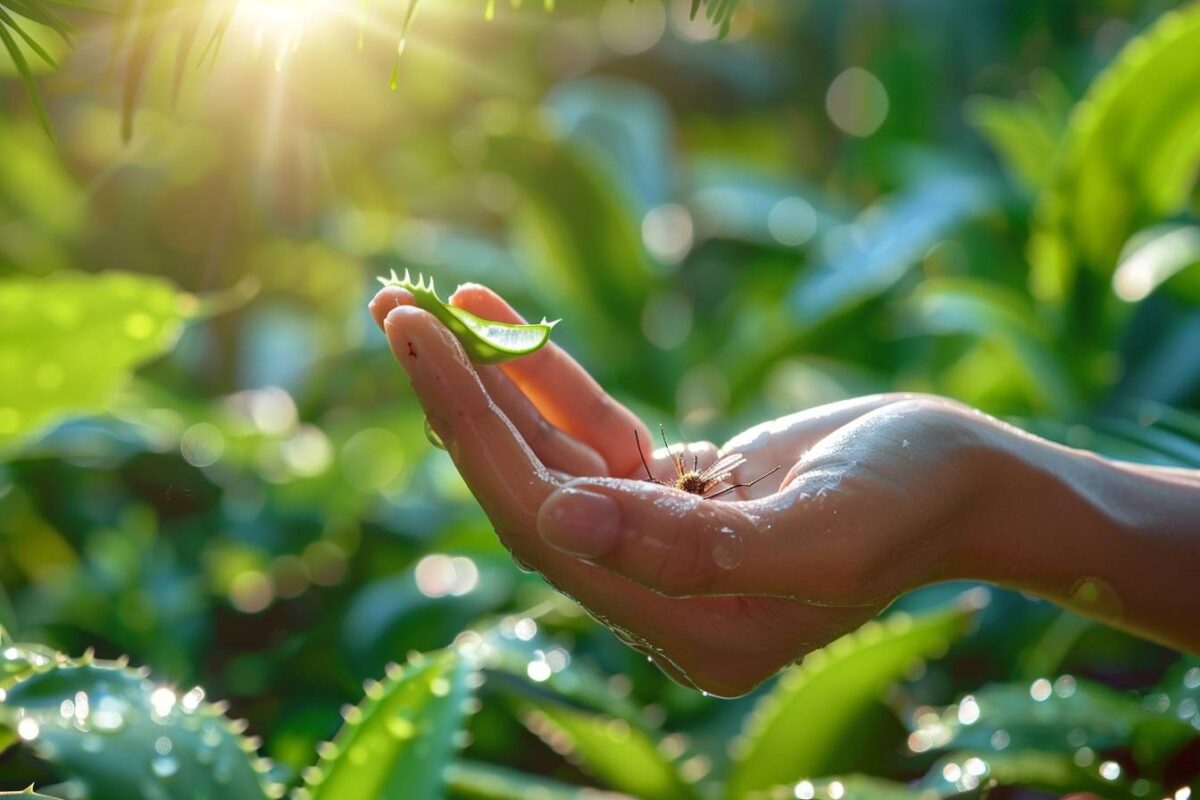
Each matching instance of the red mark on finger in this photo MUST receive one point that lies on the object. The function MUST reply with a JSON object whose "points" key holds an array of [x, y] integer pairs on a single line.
{"points": [[412, 352]]}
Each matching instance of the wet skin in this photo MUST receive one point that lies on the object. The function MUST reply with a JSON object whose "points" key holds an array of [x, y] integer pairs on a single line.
{"points": [[876, 496]]}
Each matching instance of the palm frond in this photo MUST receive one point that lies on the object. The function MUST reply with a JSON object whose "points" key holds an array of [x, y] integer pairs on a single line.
{"points": [[718, 12], [11, 31]]}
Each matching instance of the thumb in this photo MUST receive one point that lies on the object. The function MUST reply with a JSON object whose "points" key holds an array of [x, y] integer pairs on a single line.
{"points": [[675, 543]]}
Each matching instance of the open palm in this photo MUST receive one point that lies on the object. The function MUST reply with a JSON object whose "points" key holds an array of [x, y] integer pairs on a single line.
{"points": [[541, 444]]}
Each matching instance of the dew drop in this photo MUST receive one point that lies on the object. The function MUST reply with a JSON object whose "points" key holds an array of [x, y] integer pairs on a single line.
{"points": [[401, 727], [432, 436], [164, 766], [211, 737]]}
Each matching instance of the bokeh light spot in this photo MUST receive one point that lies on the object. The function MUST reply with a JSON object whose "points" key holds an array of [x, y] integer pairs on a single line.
{"points": [[857, 102], [633, 27]]}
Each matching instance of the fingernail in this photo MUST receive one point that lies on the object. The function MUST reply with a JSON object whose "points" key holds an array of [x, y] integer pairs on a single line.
{"points": [[580, 522]]}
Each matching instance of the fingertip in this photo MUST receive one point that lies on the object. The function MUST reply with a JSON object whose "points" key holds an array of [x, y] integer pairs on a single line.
{"points": [[387, 299], [406, 326]]}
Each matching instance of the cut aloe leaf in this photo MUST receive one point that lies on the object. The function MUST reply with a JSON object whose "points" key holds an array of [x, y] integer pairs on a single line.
{"points": [[485, 341]]}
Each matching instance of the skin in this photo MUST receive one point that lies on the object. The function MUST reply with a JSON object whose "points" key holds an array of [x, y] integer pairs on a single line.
{"points": [[877, 496]]}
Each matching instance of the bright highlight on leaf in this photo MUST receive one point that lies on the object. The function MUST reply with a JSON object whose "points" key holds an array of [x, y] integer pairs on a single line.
{"points": [[486, 342], [71, 339]]}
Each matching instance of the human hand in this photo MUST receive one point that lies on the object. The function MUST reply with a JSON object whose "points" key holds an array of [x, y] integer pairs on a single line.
{"points": [[857, 514]]}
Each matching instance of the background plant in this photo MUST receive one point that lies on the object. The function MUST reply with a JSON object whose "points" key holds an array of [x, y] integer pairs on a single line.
{"points": [[211, 465]]}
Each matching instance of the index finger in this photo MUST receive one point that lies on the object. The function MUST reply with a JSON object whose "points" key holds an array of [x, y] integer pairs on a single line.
{"points": [[505, 476], [566, 394]]}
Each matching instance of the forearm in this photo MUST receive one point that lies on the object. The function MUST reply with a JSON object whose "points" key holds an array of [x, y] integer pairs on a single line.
{"points": [[1113, 541]]}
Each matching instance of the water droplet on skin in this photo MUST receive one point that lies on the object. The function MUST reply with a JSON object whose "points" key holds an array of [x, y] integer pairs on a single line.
{"points": [[432, 436], [164, 766], [728, 551]]}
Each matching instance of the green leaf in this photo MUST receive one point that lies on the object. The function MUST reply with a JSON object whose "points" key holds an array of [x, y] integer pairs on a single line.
{"points": [[116, 733], [975, 308], [486, 342], [475, 781], [1155, 257], [1024, 132], [582, 244], [1130, 155], [1062, 716], [1181, 683], [800, 727], [68, 341], [621, 755], [719, 12], [399, 740], [579, 683], [852, 787], [892, 236], [1048, 772], [23, 69]]}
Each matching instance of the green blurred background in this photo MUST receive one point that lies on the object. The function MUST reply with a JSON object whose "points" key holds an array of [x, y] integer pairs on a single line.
{"points": [[211, 464]]}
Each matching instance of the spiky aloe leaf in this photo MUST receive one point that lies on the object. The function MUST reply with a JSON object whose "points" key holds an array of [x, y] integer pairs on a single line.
{"points": [[855, 787], [488, 782], [1049, 772], [18, 661], [399, 740], [28, 794], [1063, 718], [1059, 716], [801, 725], [110, 729], [1182, 684], [579, 684], [486, 342], [623, 756]]}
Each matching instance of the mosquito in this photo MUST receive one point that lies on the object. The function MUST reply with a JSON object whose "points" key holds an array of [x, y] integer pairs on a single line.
{"points": [[697, 481]]}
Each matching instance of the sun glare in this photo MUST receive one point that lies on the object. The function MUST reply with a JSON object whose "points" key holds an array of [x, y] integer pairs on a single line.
{"points": [[278, 25]]}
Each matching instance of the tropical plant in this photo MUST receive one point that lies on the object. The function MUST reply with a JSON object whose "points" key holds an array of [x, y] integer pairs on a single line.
{"points": [[209, 463]]}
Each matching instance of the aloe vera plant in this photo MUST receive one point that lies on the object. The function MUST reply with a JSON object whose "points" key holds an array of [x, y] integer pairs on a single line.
{"points": [[485, 341], [114, 732], [400, 739]]}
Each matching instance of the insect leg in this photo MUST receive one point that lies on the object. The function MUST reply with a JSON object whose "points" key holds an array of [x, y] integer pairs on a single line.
{"points": [[676, 459], [742, 485], [642, 456]]}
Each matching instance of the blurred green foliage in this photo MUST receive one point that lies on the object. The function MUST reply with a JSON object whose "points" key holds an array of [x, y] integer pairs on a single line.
{"points": [[211, 465]]}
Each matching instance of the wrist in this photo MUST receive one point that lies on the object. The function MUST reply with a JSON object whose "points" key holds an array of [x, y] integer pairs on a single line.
{"points": [[1113, 541], [1038, 522]]}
